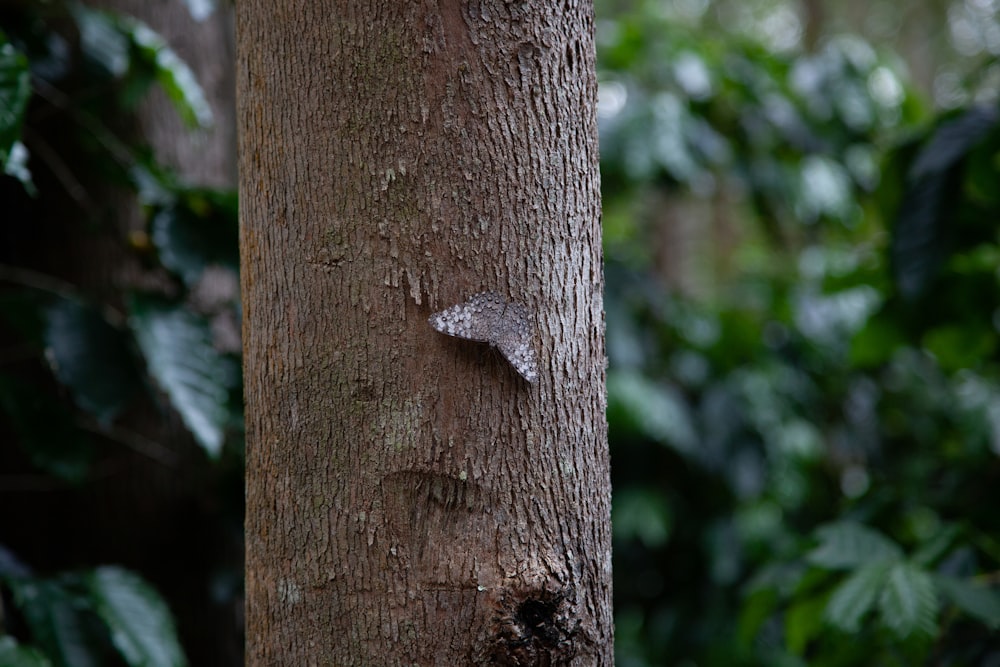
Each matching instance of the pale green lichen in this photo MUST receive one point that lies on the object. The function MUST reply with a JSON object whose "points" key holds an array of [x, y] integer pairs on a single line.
{"points": [[399, 423]]}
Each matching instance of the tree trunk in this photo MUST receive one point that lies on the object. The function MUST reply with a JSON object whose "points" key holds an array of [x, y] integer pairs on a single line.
{"points": [[411, 499]]}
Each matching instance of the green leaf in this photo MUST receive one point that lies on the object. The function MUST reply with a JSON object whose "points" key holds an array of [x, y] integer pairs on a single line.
{"points": [[824, 189], [101, 40], [925, 223], [643, 514], [908, 601], [91, 357], [15, 91], [180, 356], [124, 45], [958, 346], [856, 596], [978, 601], [756, 610], [803, 623], [847, 544], [45, 430], [13, 655], [198, 230], [953, 140], [657, 411], [935, 547], [140, 623], [875, 343], [17, 166], [173, 75], [58, 622], [921, 236]]}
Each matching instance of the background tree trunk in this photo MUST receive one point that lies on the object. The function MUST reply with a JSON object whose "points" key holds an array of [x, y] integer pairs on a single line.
{"points": [[411, 499]]}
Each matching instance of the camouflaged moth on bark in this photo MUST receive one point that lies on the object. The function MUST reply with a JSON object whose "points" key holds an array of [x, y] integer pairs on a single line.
{"points": [[489, 318]]}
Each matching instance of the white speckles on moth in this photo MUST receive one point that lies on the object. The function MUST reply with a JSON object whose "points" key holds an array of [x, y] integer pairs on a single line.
{"points": [[487, 318]]}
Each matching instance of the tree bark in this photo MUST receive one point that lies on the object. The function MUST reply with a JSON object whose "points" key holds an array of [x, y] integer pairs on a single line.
{"points": [[410, 498]]}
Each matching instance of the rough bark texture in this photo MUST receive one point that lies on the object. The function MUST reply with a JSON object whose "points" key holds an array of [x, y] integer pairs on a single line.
{"points": [[410, 498]]}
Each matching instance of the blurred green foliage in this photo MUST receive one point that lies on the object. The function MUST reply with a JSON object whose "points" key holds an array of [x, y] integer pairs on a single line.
{"points": [[805, 448], [75, 359]]}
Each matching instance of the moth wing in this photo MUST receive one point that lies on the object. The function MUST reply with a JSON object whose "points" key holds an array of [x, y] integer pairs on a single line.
{"points": [[514, 340], [475, 319]]}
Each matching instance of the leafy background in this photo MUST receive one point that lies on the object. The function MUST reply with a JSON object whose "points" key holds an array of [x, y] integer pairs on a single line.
{"points": [[802, 281]]}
